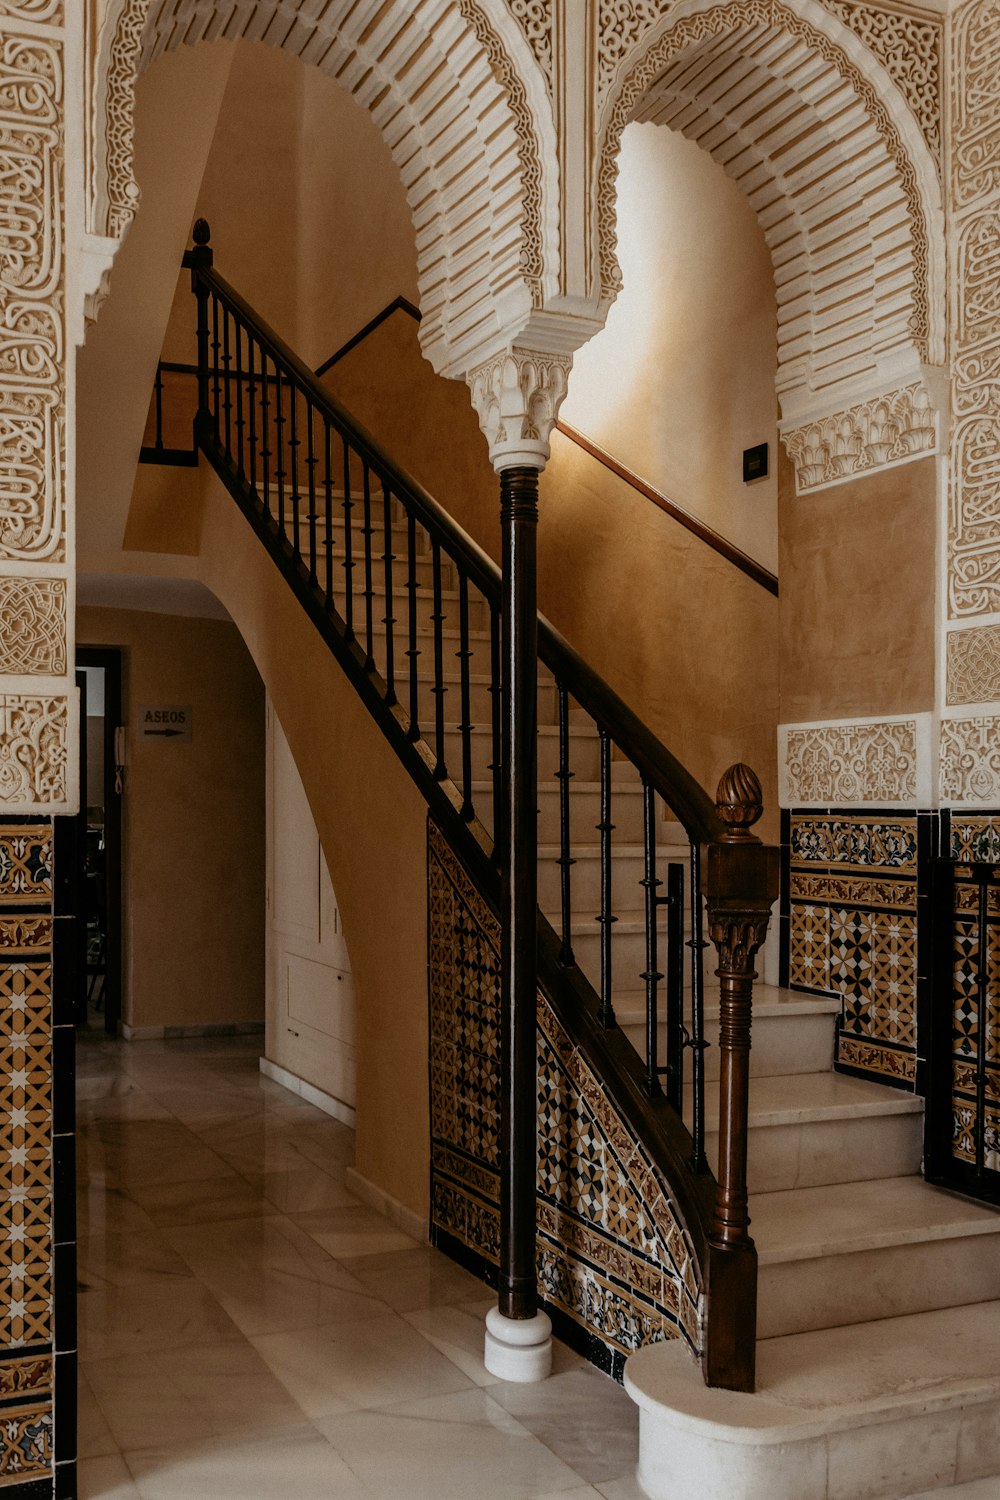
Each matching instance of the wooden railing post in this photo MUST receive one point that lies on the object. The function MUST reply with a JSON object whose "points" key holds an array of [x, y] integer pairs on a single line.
{"points": [[740, 884]]}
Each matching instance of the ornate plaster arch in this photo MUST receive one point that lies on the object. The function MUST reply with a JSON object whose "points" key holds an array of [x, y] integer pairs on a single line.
{"points": [[469, 126], [850, 110]]}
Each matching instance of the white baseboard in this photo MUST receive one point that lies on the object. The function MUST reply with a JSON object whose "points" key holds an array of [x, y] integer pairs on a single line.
{"points": [[308, 1091], [397, 1213], [171, 1033]]}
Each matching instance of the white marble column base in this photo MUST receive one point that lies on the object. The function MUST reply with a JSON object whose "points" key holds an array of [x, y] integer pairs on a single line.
{"points": [[518, 1348]]}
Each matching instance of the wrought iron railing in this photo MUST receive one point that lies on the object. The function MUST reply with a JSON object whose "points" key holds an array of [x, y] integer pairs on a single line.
{"points": [[411, 607]]}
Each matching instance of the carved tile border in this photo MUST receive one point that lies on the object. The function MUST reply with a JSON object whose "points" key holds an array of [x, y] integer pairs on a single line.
{"points": [[970, 760], [883, 762]]}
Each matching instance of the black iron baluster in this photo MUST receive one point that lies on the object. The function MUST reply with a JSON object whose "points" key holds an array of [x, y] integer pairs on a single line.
{"points": [[158, 399], [265, 429], [440, 688], [412, 650], [311, 470], [651, 975], [369, 590], [279, 421], [348, 506], [388, 560], [675, 986], [566, 861], [240, 419], [293, 449], [697, 945], [328, 509], [215, 364], [252, 408], [607, 918], [466, 727], [227, 404]]}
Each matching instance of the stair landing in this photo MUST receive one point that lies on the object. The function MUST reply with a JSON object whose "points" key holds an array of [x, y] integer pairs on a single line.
{"points": [[875, 1411]]}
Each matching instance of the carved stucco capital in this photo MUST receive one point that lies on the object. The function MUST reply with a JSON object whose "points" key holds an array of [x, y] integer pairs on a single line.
{"points": [[872, 434], [517, 395]]}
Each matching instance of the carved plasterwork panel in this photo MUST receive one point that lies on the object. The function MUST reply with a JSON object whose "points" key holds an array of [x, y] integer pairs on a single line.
{"points": [[907, 44], [871, 435], [974, 665], [33, 10], [33, 627], [974, 521], [116, 186], [535, 19], [979, 278], [976, 102], [34, 742], [970, 759], [31, 300], [909, 47], [878, 762], [903, 304]]}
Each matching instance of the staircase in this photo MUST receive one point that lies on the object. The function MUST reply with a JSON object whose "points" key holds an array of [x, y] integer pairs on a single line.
{"points": [[879, 1324], [878, 1318]]}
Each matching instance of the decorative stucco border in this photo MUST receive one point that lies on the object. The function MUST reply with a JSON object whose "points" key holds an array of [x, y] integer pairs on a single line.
{"points": [[857, 763]]}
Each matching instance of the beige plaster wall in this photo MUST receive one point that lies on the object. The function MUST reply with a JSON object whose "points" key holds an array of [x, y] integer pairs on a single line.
{"points": [[681, 378], [193, 817], [177, 107], [857, 600], [372, 826]]}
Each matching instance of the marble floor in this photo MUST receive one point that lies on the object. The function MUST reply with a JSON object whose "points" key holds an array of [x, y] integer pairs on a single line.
{"points": [[249, 1328]]}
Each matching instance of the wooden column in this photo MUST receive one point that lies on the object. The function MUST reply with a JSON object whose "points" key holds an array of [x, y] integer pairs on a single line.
{"points": [[740, 884], [519, 815]]}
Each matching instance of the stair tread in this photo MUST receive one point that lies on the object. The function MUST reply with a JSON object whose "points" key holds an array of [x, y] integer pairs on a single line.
{"points": [[834, 1379], [806, 1223], [768, 1000], [794, 1098]]}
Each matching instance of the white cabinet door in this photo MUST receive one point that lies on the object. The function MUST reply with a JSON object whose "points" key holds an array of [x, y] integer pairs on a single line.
{"points": [[311, 1006]]}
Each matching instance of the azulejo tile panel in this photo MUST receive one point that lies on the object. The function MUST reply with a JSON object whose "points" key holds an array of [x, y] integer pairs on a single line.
{"points": [[613, 1256], [975, 1011], [853, 890], [26, 1152]]}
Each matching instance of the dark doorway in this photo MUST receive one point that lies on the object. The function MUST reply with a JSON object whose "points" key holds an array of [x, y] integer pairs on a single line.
{"points": [[102, 770]]}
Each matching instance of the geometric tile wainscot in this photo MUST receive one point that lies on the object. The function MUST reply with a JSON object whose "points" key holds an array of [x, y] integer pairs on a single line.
{"points": [[975, 838], [615, 1267], [855, 883], [37, 1367]]}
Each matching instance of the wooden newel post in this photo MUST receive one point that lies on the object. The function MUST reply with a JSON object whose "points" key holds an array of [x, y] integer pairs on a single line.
{"points": [[740, 883]]}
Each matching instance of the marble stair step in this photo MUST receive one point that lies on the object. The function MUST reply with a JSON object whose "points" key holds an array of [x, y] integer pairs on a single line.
{"points": [[854, 1251], [899, 1407], [816, 1129], [628, 869], [792, 1032]]}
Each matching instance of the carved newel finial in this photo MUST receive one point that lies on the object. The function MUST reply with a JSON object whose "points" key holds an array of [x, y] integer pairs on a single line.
{"points": [[739, 802], [201, 233]]}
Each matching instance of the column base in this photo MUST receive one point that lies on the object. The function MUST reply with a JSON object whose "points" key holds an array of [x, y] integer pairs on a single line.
{"points": [[518, 1348]]}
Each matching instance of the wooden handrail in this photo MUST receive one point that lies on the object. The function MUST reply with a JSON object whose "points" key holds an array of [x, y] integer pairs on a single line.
{"points": [[689, 801], [399, 304], [719, 544]]}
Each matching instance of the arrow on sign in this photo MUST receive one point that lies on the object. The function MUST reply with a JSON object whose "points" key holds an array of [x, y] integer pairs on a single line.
{"points": [[167, 733]]}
